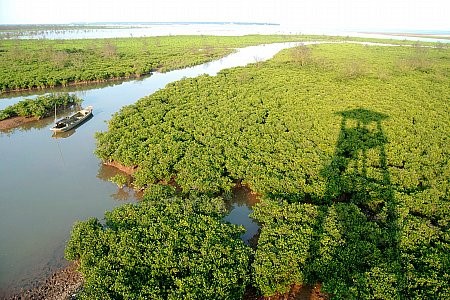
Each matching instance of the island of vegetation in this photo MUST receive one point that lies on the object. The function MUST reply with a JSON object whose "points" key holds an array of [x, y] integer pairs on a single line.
{"points": [[38, 64], [348, 146], [32, 64], [29, 110]]}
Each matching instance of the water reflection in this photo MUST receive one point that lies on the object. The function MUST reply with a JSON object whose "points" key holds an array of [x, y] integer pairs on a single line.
{"points": [[125, 193], [62, 89], [111, 30], [49, 183], [29, 125], [239, 204], [240, 207], [63, 135], [142, 30], [33, 123], [66, 134], [10, 98]]}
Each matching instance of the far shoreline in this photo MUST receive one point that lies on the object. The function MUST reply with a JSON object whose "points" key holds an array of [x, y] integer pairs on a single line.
{"points": [[420, 35]]}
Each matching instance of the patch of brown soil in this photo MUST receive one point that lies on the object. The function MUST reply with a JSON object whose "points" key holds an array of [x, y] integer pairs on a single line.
{"points": [[297, 292], [307, 292], [128, 170], [62, 285], [15, 121]]}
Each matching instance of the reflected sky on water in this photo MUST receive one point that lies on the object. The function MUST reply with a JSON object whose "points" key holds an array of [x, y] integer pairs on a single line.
{"points": [[47, 183]]}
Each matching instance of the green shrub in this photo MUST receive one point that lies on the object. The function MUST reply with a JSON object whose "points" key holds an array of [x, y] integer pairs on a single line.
{"points": [[42, 106], [167, 249]]}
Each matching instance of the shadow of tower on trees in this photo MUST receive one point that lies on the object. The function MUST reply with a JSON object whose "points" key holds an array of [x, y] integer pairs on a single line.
{"points": [[355, 249]]}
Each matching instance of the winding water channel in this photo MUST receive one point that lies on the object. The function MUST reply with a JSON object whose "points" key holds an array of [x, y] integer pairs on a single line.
{"points": [[47, 183]]}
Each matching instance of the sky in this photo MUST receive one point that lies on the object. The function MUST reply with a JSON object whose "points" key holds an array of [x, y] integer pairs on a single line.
{"points": [[304, 14]]}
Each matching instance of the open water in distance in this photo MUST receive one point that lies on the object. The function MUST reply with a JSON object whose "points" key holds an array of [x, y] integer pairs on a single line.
{"points": [[121, 30], [47, 183]]}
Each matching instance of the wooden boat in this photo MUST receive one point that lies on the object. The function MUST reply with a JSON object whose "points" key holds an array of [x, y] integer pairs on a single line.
{"points": [[73, 120]]}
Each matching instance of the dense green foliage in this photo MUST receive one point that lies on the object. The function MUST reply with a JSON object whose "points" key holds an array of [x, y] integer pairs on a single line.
{"points": [[40, 107], [164, 248], [119, 179], [27, 64], [275, 125], [349, 146]]}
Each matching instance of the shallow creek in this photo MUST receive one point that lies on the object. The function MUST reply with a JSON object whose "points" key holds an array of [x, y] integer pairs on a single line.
{"points": [[47, 183]]}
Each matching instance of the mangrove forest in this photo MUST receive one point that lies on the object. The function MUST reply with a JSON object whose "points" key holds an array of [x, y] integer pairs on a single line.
{"points": [[348, 148]]}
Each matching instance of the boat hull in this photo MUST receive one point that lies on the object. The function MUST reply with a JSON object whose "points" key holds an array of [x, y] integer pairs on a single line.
{"points": [[73, 120]]}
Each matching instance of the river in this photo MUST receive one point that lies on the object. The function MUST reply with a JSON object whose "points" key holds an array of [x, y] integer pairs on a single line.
{"points": [[47, 183]]}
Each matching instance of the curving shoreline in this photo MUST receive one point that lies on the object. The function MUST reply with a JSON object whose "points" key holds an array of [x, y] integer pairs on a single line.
{"points": [[14, 122], [56, 298], [125, 169], [79, 83], [63, 284]]}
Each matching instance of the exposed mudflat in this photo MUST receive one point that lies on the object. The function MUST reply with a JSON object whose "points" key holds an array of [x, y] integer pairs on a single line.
{"points": [[62, 285], [66, 283], [15, 122]]}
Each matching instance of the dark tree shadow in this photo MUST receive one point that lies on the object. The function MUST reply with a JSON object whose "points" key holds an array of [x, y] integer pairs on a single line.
{"points": [[355, 250], [347, 175]]}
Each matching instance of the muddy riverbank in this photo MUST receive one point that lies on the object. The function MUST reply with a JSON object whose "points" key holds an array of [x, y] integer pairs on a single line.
{"points": [[63, 284], [48, 183], [15, 122], [66, 283]]}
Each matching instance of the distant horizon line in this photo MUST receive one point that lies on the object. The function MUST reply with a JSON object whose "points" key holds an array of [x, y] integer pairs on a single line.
{"points": [[146, 23], [249, 23]]}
